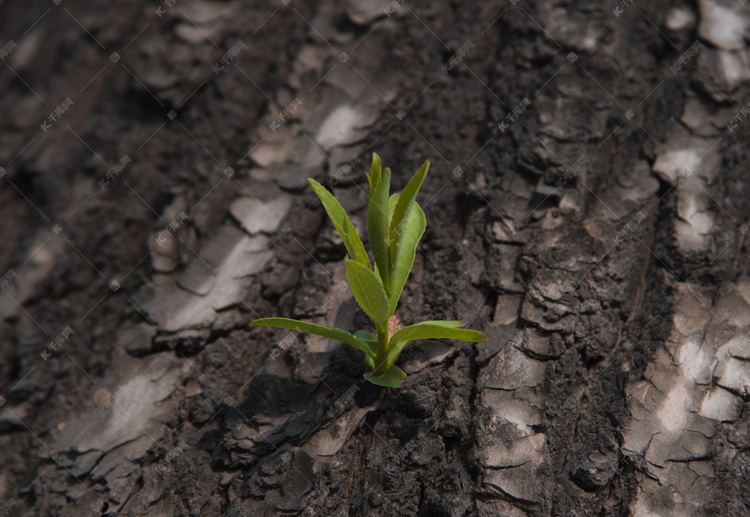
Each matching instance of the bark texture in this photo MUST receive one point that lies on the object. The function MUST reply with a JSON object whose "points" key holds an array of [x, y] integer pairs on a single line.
{"points": [[587, 209]]}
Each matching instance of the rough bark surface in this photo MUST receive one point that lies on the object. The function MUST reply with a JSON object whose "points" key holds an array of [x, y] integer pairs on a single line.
{"points": [[587, 209]]}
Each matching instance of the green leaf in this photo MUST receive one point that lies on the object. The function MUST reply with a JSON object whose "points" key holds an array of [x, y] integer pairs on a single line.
{"points": [[341, 222], [395, 371], [369, 340], [368, 291], [385, 382], [453, 324], [414, 231], [375, 171], [313, 328], [437, 330], [392, 205], [431, 330], [390, 379], [377, 227], [403, 210]]}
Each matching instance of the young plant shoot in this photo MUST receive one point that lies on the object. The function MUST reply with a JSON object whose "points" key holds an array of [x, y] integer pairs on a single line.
{"points": [[395, 224]]}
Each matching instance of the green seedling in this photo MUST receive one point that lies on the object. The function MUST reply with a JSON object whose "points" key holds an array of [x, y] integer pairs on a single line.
{"points": [[395, 224]]}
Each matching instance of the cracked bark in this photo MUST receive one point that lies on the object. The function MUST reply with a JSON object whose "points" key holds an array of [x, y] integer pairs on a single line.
{"points": [[598, 240]]}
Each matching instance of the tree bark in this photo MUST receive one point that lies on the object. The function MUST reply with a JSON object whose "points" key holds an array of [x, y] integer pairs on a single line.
{"points": [[586, 208]]}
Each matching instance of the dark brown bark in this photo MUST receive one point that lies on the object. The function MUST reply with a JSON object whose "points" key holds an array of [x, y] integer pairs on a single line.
{"points": [[597, 236]]}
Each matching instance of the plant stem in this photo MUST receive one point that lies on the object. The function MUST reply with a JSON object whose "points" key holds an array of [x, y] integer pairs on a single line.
{"points": [[381, 361]]}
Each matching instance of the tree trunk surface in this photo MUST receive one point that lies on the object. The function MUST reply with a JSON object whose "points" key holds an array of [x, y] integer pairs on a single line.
{"points": [[587, 209]]}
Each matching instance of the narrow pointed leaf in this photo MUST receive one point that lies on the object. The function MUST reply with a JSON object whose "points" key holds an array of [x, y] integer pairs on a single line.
{"points": [[376, 171], [431, 330], [436, 330], [341, 222], [399, 220], [392, 205], [377, 227], [454, 324], [368, 291], [377, 167], [414, 231], [396, 348], [313, 328]]}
